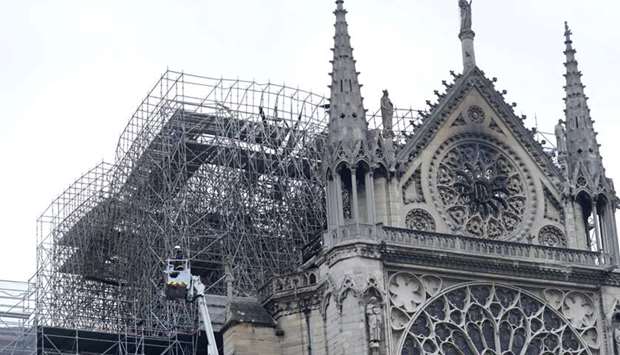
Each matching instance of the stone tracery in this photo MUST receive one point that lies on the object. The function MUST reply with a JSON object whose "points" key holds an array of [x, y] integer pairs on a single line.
{"points": [[480, 191], [475, 114], [552, 236], [491, 319], [421, 220]]}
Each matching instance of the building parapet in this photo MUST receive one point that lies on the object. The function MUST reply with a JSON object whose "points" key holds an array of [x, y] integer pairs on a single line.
{"points": [[463, 245], [308, 280], [291, 283]]}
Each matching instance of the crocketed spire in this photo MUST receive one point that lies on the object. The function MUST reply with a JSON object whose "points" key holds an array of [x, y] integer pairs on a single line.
{"points": [[583, 159], [347, 126]]}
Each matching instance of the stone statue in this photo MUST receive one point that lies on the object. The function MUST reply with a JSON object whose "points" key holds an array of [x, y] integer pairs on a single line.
{"points": [[374, 321], [465, 15], [615, 328], [560, 135], [387, 113]]}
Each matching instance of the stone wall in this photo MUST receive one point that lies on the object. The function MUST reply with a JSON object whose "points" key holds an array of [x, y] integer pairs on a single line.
{"points": [[250, 339]]}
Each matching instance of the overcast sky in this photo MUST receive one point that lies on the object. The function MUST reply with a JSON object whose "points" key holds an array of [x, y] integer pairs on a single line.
{"points": [[73, 72]]}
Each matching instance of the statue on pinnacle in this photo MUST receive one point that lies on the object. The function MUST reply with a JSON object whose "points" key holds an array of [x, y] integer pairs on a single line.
{"points": [[467, 35], [387, 114], [465, 15]]}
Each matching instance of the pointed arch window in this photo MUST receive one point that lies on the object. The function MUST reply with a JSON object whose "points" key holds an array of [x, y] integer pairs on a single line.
{"points": [[603, 219], [587, 222]]}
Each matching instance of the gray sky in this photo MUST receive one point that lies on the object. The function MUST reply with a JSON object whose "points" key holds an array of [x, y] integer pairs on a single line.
{"points": [[73, 72]]}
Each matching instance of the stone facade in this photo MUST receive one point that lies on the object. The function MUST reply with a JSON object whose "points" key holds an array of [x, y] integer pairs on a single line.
{"points": [[250, 339], [468, 239]]}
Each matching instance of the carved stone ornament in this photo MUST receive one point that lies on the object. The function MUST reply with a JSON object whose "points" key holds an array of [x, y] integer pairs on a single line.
{"points": [[412, 189], [481, 190], [419, 219], [475, 114], [615, 328], [580, 311], [407, 293], [493, 319], [552, 236], [349, 288], [495, 127]]}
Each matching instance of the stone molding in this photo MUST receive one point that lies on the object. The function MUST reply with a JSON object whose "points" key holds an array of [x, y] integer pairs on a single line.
{"points": [[593, 276]]}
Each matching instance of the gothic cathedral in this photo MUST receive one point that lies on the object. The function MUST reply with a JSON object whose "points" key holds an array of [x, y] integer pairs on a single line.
{"points": [[467, 238]]}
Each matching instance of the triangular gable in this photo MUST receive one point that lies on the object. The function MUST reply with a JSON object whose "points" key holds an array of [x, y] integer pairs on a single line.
{"points": [[475, 79]]}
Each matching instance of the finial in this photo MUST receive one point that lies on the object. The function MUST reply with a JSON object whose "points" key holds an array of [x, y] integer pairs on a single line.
{"points": [[339, 5], [467, 35], [465, 15], [567, 34]]}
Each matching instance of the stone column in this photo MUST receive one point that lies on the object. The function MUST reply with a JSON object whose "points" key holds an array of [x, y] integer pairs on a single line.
{"points": [[467, 42], [580, 225], [612, 233], [380, 198], [332, 216], [597, 226], [370, 198], [393, 203], [339, 207], [574, 240], [354, 201]]}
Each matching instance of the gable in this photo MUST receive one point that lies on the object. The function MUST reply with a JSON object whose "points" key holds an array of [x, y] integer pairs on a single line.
{"points": [[478, 171], [448, 102]]}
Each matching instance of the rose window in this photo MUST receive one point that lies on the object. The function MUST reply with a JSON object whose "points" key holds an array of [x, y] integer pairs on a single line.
{"points": [[480, 191]]}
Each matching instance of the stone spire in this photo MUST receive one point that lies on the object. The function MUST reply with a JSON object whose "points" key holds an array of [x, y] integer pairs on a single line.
{"points": [[582, 151], [347, 160], [593, 197], [347, 125], [467, 35]]}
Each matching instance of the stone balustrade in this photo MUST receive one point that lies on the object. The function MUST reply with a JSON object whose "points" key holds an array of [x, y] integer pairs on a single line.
{"points": [[311, 249], [287, 283], [378, 234], [492, 248], [464, 245]]}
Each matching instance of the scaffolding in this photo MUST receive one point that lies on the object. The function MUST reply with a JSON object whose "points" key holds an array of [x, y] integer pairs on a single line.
{"points": [[227, 169], [17, 331]]}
